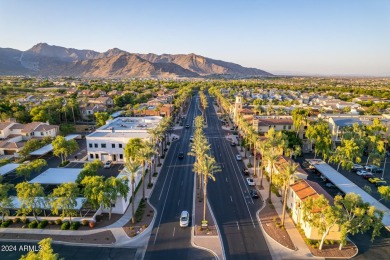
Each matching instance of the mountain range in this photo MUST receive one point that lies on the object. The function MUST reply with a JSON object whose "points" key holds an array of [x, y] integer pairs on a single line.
{"points": [[49, 60]]}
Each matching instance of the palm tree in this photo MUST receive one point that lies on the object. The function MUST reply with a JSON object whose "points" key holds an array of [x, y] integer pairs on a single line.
{"points": [[286, 176], [153, 132], [131, 168], [209, 168], [144, 155], [272, 156]]}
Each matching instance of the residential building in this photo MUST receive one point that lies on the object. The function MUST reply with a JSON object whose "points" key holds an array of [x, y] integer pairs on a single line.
{"points": [[262, 124], [108, 142], [298, 193]]}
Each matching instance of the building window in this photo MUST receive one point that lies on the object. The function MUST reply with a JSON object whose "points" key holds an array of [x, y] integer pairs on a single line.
{"points": [[96, 145], [121, 156], [91, 156], [112, 145], [90, 145], [120, 145], [289, 127], [97, 156], [284, 127], [103, 145], [42, 133]]}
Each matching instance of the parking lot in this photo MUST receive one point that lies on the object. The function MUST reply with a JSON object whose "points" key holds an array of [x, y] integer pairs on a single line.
{"points": [[352, 176], [113, 171]]}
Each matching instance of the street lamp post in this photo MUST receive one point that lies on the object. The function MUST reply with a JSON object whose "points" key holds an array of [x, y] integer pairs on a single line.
{"points": [[384, 167]]}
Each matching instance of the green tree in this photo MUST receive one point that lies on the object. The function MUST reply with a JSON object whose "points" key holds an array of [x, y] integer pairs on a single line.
{"points": [[286, 176], [31, 197], [143, 156], [63, 148], [45, 252], [113, 188], [89, 169], [346, 154], [33, 166], [319, 133], [132, 148], [5, 201], [101, 118], [299, 116], [66, 129], [131, 169], [384, 191], [30, 146], [94, 190], [64, 198], [357, 216], [319, 214]]}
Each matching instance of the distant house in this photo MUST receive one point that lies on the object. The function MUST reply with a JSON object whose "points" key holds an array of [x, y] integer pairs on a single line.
{"points": [[105, 101], [262, 124], [298, 193], [87, 111]]}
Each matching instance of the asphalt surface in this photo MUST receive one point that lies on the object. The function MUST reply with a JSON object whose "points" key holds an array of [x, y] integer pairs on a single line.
{"points": [[14, 250], [172, 194], [234, 210]]}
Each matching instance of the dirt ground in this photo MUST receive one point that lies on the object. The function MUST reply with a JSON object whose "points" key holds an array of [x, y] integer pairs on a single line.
{"points": [[269, 217], [137, 228]]}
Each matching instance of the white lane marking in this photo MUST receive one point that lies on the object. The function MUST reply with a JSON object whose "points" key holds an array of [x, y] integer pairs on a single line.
{"points": [[231, 199], [166, 177], [238, 225], [226, 179], [174, 231], [178, 203]]}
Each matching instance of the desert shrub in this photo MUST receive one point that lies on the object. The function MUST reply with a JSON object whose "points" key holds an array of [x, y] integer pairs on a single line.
{"points": [[65, 225], [58, 221], [33, 224], [75, 225], [16, 220], [43, 224], [84, 222]]}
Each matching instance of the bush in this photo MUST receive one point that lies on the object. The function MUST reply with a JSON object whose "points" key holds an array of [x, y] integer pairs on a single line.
{"points": [[33, 224], [99, 218], [65, 225], [43, 224], [84, 222], [6, 223], [25, 220], [58, 221], [16, 220], [75, 225]]}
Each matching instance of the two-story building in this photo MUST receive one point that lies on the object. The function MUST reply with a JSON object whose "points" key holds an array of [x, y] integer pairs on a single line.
{"points": [[108, 142]]}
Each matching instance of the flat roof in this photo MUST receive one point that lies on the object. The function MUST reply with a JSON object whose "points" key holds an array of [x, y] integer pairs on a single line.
{"points": [[346, 186], [57, 176], [16, 203], [10, 167], [120, 134], [48, 148], [131, 123]]}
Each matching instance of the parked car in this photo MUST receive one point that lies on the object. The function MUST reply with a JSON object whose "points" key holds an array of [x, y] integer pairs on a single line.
{"points": [[381, 183], [330, 185], [250, 182], [107, 165], [180, 155], [374, 180], [238, 157], [245, 171], [367, 175], [370, 168], [377, 170], [253, 194], [184, 218], [357, 167], [361, 172]]}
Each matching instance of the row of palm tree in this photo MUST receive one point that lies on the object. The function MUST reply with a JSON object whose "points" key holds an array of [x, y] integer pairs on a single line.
{"points": [[205, 164]]}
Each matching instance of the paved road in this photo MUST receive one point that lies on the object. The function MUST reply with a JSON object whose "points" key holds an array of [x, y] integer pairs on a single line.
{"points": [[14, 250], [172, 194], [233, 208]]}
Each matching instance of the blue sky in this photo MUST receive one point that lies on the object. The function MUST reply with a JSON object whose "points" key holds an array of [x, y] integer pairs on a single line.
{"points": [[332, 37]]}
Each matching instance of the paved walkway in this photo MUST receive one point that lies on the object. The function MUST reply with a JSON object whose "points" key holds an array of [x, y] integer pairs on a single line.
{"points": [[277, 250]]}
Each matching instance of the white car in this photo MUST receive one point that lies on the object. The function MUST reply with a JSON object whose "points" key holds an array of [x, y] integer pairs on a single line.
{"points": [[361, 172], [191, 138], [184, 218], [357, 167], [250, 182], [238, 157], [370, 167], [108, 164]]}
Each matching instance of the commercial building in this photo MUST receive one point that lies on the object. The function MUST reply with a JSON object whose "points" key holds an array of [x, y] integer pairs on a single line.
{"points": [[108, 142]]}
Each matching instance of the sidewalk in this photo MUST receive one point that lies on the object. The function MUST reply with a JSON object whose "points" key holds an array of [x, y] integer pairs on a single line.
{"points": [[278, 251]]}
